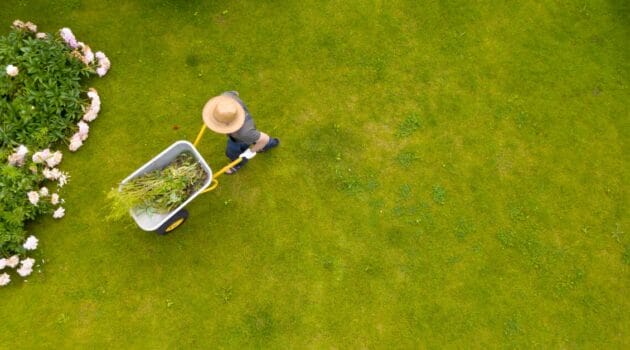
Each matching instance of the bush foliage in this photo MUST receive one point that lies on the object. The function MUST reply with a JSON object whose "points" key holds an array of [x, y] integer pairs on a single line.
{"points": [[41, 101]]}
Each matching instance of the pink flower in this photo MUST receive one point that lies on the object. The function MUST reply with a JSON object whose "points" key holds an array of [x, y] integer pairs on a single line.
{"points": [[13, 261], [43, 192], [54, 199], [31, 26], [3, 263], [90, 115], [18, 24], [33, 197], [54, 159], [75, 142], [84, 129], [59, 213], [30, 244], [95, 105], [21, 25], [41, 156], [101, 71], [68, 37], [5, 279], [51, 174], [63, 179], [28, 262], [16, 160], [103, 64], [24, 271], [12, 70], [88, 56]]}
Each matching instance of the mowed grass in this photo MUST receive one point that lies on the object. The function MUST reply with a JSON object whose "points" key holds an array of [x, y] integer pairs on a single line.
{"points": [[450, 175]]}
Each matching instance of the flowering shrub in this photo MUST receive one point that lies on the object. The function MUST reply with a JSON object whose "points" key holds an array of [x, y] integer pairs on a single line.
{"points": [[41, 103]]}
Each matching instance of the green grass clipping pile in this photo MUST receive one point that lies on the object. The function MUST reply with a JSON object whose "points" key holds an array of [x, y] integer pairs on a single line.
{"points": [[158, 191]]}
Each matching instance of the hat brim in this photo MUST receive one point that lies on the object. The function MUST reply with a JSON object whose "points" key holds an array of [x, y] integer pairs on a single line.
{"points": [[217, 126]]}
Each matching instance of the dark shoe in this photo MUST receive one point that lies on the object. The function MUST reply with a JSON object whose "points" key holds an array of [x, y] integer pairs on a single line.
{"points": [[271, 144]]}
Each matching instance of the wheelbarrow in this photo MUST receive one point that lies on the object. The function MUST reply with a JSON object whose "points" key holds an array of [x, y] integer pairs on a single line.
{"points": [[163, 223]]}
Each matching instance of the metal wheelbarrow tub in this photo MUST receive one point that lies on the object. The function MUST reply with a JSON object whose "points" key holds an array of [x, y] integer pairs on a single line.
{"points": [[154, 221]]}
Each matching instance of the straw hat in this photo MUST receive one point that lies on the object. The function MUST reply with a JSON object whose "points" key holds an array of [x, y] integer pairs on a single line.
{"points": [[223, 114]]}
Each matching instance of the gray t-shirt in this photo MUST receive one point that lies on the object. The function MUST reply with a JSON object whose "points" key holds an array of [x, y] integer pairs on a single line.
{"points": [[247, 133]]}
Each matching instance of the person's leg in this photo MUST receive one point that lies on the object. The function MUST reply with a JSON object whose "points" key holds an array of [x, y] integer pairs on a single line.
{"points": [[233, 150]]}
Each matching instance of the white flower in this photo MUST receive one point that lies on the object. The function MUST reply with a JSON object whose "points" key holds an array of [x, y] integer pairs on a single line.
{"points": [[28, 262], [41, 35], [3, 263], [54, 159], [41, 156], [12, 70], [13, 261], [24, 271], [54, 199], [5, 279], [59, 213], [30, 244], [63, 179], [68, 37], [43, 191], [75, 142], [33, 197], [84, 129]]}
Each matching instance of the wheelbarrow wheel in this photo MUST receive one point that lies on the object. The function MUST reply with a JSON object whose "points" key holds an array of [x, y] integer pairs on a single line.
{"points": [[174, 222]]}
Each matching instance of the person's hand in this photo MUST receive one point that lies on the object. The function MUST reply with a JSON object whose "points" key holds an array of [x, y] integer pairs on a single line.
{"points": [[249, 154]]}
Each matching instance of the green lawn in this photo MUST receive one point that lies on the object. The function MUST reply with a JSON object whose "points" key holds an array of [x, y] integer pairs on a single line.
{"points": [[451, 174]]}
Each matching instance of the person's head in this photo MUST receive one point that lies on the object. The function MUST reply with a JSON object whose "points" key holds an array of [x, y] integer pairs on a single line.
{"points": [[223, 114]]}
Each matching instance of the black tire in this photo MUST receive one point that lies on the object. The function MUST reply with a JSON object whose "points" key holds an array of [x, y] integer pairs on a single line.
{"points": [[174, 222]]}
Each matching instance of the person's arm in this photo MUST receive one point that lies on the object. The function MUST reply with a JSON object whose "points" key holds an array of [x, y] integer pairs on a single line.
{"points": [[262, 141]]}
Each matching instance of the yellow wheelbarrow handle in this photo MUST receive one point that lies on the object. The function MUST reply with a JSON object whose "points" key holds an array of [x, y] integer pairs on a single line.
{"points": [[215, 182]]}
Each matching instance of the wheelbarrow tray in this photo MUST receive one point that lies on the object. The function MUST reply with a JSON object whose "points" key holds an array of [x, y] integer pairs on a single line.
{"points": [[153, 221]]}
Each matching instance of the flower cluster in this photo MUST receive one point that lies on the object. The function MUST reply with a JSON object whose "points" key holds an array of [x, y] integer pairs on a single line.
{"points": [[67, 36], [26, 265], [25, 26], [17, 158], [50, 160], [35, 183], [12, 70], [83, 52], [76, 141], [103, 64]]}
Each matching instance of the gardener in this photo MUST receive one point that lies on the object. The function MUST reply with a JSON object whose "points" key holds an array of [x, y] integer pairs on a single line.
{"points": [[227, 114]]}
